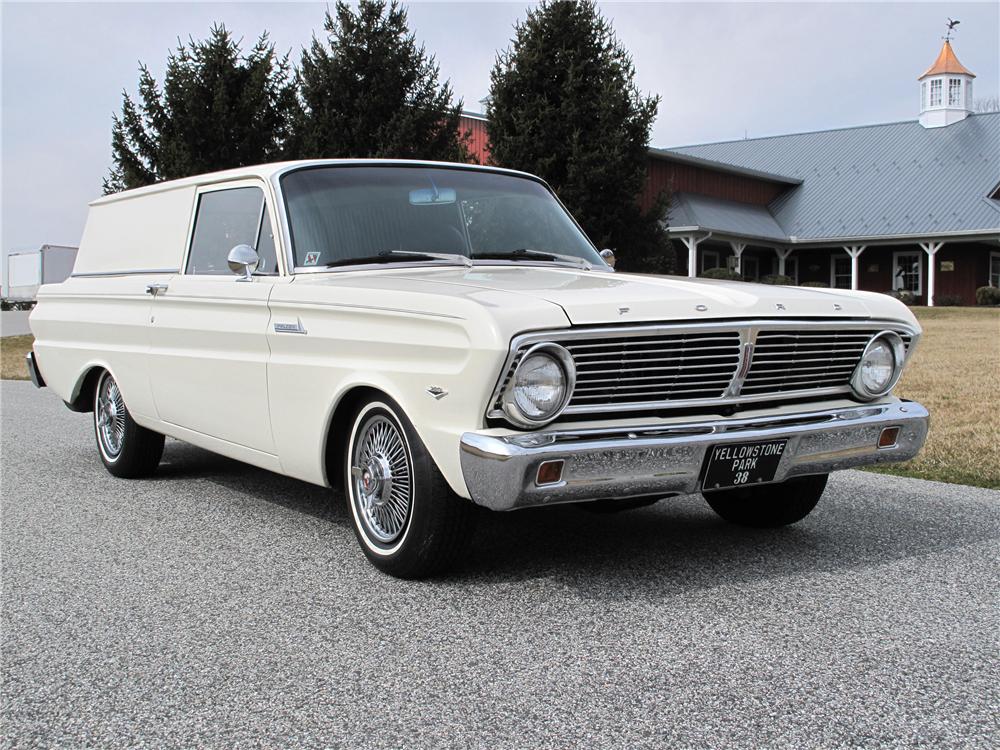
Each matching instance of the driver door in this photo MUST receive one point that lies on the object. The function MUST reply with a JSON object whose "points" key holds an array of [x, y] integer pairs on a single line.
{"points": [[209, 351]]}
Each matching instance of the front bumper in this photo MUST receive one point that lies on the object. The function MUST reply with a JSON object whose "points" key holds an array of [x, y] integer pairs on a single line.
{"points": [[665, 460]]}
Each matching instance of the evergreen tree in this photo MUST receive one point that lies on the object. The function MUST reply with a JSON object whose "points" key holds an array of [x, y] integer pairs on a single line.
{"points": [[369, 90], [219, 108], [564, 105]]}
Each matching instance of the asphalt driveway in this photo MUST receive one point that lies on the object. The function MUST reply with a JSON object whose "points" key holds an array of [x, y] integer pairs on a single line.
{"points": [[221, 605]]}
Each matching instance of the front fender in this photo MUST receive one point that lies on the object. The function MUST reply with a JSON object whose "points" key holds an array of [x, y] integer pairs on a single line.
{"points": [[401, 356]]}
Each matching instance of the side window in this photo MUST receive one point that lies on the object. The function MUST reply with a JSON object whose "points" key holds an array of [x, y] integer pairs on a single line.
{"points": [[265, 247], [225, 218]]}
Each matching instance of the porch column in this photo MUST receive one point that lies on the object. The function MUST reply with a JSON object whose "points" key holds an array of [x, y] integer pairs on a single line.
{"points": [[931, 249], [855, 252], [692, 242], [738, 248], [782, 253]]}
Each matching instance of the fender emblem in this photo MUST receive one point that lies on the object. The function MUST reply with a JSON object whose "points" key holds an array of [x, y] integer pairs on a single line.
{"points": [[437, 393], [779, 306], [295, 327]]}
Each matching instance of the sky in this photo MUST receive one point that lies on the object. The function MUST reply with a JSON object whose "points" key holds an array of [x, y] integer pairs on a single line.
{"points": [[724, 71]]}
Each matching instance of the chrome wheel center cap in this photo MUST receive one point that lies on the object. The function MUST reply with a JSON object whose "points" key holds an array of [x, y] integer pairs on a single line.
{"points": [[376, 480], [108, 412]]}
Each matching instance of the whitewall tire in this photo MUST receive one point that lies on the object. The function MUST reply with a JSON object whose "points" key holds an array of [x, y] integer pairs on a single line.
{"points": [[126, 449], [407, 520]]}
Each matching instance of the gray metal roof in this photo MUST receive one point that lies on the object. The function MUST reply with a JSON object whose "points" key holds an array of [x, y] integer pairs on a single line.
{"points": [[723, 217], [878, 181]]}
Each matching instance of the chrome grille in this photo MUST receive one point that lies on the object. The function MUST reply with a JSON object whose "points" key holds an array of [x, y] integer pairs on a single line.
{"points": [[804, 360], [653, 368], [703, 364]]}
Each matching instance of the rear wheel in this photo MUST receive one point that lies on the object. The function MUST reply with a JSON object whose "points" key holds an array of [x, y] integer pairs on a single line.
{"points": [[127, 450], [406, 518], [768, 506]]}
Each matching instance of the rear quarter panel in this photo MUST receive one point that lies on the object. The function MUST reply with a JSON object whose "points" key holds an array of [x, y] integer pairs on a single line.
{"points": [[96, 322]]}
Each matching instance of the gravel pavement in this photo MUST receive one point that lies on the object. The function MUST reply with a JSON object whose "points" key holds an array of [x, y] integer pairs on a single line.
{"points": [[220, 605]]}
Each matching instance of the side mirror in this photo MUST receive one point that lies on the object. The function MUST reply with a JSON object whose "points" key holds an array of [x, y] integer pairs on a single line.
{"points": [[243, 260], [608, 256]]}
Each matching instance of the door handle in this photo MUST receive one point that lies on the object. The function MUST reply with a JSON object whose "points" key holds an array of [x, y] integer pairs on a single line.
{"points": [[155, 289]]}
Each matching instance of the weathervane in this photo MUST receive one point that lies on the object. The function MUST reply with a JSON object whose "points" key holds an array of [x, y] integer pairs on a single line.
{"points": [[951, 27]]}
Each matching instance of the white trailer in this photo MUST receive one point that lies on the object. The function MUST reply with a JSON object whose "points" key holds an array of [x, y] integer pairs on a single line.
{"points": [[26, 271]]}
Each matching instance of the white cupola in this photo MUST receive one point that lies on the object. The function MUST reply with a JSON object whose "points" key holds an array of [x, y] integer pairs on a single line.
{"points": [[945, 90]]}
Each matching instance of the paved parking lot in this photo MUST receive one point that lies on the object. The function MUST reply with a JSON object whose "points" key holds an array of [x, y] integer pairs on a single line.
{"points": [[221, 605]]}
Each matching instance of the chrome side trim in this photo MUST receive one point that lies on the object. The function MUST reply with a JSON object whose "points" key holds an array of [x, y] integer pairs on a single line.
{"points": [[622, 462], [128, 272], [748, 331]]}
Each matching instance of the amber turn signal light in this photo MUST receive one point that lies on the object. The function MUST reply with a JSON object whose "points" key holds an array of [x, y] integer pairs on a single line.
{"points": [[549, 472], [888, 437]]}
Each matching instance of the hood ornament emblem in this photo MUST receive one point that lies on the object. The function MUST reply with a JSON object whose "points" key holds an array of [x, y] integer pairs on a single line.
{"points": [[779, 306], [701, 308], [837, 307], [623, 310]]}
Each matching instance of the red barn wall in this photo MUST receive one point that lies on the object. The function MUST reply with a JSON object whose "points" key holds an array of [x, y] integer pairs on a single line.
{"points": [[478, 141], [685, 178]]}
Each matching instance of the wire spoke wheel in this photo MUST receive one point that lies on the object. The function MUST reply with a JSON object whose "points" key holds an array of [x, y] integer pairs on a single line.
{"points": [[382, 480], [110, 414]]}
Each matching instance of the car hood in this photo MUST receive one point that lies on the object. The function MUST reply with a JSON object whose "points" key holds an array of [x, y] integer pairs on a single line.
{"points": [[595, 297]]}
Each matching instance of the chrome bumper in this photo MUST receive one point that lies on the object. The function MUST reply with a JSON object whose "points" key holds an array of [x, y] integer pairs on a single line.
{"points": [[500, 471], [33, 373]]}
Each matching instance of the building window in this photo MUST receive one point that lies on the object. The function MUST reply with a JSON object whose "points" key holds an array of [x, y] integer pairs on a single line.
{"points": [[995, 270], [923, 95], [907, 272], [709, 259], [840, 271], [954, 92], [936, 92], [749, 267]]}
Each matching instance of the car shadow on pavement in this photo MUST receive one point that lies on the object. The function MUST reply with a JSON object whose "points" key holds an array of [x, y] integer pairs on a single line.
{"points": [[183, 461], [674, 546]]}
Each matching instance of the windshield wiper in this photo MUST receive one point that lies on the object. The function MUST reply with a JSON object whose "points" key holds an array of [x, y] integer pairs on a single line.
{"points": [[390, 256], [525, 252]]}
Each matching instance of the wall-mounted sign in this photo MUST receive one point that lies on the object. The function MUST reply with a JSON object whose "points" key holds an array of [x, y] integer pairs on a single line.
{"points": [[947, 265], [873, 268]]}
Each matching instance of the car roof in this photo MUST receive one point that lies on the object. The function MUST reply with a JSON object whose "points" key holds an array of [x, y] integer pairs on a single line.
{"points": [[268, 171]]}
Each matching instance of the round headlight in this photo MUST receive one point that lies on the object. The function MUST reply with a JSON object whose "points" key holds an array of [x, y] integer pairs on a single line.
{"points": [[880, 366], [540, 387]]}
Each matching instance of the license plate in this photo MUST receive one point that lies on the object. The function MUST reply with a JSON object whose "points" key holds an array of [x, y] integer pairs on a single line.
{"points": [[741, 464]]}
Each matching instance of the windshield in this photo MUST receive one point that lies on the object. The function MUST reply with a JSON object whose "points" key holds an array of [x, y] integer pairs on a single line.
{"points": [[344, 215]]}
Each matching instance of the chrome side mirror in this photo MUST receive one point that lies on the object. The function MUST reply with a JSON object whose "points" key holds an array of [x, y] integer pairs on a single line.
{"points": [[608, 256], [243, 260]]}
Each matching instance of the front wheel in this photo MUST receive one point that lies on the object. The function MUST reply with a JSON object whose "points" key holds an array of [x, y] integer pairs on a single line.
{"points": [[406, 518], [770, 505], [127, 449]]}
